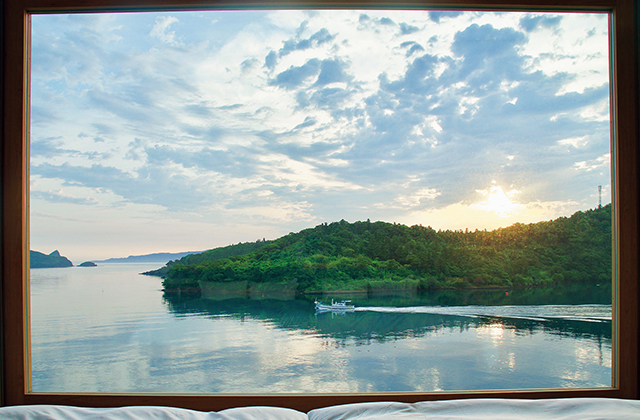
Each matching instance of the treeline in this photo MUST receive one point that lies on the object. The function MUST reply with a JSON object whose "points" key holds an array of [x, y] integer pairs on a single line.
{"points": [[379, 256], [210, 255]]}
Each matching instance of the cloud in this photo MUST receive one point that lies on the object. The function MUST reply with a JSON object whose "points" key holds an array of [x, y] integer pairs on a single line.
{"points": [[249, 64], [418, 79], [436, 15], [374, 23], [319, 121], [47, 147], [332, 71], [51, 147], [402, 134], [137, 110], [412, 47], [593, 164], [308, 122], [488, 55], [530, 22], [294, 77], [104, 129], [93, 176], [406, 29], [237, 161], [330, 98], [61, 197], [317, 39], [270, 60], [148, 185], [202, 109], [386, 21], [42, 115], [417, 198], [161, 30]]}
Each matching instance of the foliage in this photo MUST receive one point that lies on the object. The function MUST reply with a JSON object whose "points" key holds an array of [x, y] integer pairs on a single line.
{"points": [[379, 256], [211, 255]]}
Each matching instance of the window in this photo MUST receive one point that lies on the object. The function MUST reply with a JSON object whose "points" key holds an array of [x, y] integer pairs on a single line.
{"points": [[16, 228]]}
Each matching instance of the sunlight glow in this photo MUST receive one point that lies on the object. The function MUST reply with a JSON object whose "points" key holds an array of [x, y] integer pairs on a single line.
{"points": [[498, 202]]}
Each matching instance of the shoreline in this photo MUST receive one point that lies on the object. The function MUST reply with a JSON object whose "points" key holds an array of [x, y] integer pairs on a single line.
{"points": [[196, 291]]}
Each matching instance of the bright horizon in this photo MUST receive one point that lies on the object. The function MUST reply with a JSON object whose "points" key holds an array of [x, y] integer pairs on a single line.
{"points": [[185, 131]]}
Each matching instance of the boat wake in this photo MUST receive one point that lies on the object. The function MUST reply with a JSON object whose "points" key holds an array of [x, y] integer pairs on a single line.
{"points": [[588, 313]]}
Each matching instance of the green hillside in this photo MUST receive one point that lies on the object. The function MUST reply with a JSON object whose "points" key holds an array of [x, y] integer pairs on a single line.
{"points": [[210, 255], [379, 256]]}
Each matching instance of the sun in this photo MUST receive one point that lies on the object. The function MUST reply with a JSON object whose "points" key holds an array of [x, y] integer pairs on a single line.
{"points": [[498, 201]]}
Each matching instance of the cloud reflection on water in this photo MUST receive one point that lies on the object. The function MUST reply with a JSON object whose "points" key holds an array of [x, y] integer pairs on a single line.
{"points": [[114, 334]]}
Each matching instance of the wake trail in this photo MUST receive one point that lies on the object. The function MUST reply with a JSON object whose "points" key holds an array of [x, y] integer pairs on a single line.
{"points": [[588, 313]]}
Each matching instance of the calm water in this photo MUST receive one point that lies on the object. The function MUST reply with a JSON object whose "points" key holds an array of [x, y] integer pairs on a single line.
{"points": [[108, 329]]}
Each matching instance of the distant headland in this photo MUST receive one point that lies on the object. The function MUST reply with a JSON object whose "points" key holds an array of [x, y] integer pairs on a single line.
{"points": [[159, 257], [53, 260]]}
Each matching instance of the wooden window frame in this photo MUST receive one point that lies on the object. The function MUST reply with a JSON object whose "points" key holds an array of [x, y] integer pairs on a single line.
{"points": [[15, 202]]}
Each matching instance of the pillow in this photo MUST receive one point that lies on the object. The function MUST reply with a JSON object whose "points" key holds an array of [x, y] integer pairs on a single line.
{"points": [[59, 412], [487, 409], [262, 413]]}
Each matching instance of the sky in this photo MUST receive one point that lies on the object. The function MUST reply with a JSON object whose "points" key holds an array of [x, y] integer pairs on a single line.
{"points": [[184, 131]]}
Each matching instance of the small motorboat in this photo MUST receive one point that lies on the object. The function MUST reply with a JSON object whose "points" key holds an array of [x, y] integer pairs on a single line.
{"points": [[342, 306]]}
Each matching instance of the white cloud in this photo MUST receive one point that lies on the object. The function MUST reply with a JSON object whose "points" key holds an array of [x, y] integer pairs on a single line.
{"points": [[161, 30], [574, 141], [421, 196], [593, 164]]}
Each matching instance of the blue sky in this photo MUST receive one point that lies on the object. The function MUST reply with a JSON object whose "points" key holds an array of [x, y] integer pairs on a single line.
{"points": [[168, 132]]}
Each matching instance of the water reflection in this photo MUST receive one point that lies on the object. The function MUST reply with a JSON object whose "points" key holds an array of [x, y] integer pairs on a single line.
{"points": [[110, 330], [371, 323]]}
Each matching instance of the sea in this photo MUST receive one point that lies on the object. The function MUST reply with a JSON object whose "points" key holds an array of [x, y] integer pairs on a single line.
{"points": [[110, 329]]}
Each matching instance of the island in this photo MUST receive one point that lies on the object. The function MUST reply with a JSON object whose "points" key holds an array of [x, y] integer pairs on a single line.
{"points": [[53, 260], [88, 264], [383, 257]]}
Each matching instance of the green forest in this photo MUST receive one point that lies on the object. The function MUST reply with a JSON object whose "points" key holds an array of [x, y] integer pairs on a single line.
{"points": [[210, 255], [379, 256]]}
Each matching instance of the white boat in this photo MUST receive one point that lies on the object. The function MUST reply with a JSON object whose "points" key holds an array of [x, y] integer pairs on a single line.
{"points": [[342, 306]]}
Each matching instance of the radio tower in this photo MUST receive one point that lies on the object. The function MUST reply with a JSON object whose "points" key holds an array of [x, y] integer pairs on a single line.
{"points": [[599, 196]]}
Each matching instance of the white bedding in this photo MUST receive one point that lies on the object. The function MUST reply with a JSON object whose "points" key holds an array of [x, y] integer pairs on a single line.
{"points": [[487, 409], [59, 412], [472, 409]]}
